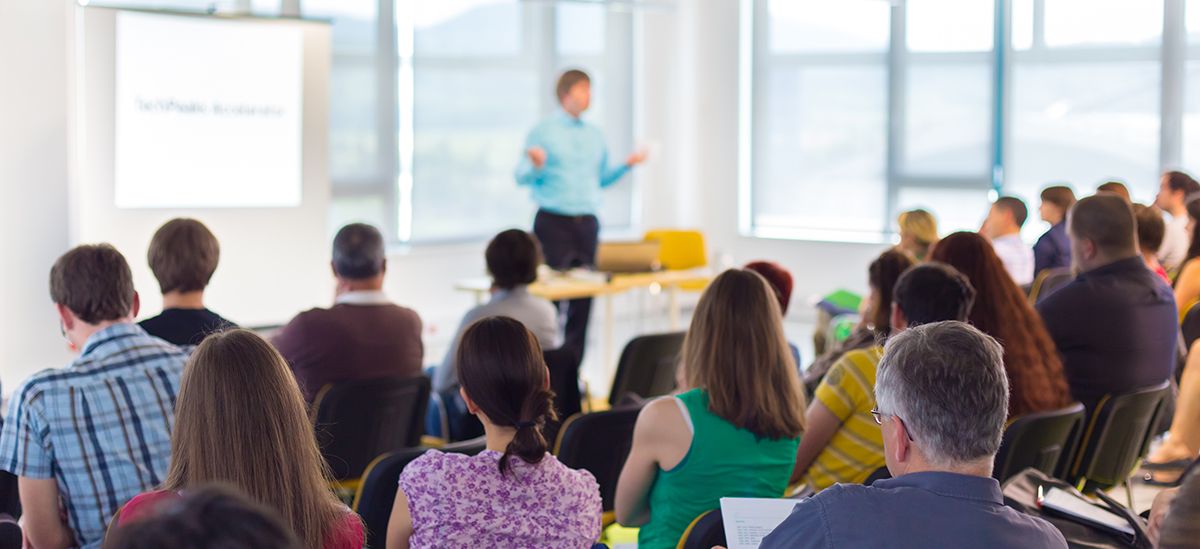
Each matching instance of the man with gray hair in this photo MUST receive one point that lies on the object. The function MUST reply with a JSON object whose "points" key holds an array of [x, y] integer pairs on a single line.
{"points": [[364, 335], [942, 402]]}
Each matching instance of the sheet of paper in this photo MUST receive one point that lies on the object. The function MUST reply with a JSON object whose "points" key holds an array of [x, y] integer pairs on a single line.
{"points": [[749, 520]]}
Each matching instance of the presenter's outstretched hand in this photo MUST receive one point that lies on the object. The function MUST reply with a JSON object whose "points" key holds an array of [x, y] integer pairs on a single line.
{"points": [[636, 158], [537, 156]]}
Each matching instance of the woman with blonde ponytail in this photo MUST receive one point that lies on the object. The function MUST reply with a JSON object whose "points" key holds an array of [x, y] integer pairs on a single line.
{"points": [[514, 494]]}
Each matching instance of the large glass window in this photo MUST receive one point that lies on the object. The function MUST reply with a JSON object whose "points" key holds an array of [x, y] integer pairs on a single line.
{"points": [[1078, 98], [889, 118], [429, 117], [1086, 100]]}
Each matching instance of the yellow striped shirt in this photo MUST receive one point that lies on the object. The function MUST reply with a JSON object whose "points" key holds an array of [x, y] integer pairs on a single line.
{"points": [[856, 450]]}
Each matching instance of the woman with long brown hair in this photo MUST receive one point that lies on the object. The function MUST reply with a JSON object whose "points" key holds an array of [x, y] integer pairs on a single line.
{"points": [[240, 420], [735, 429], [514, 493], [1035, 371]]}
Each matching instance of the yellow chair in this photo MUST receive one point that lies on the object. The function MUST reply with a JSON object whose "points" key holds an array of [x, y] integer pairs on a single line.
{"points": [[680, 250]]}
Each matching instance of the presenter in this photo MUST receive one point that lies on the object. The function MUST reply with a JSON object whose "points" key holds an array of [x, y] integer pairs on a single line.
{"points": [[566, 166]]}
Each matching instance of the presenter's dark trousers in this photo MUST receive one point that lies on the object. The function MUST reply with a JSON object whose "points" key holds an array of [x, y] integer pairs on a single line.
{"points": [[570, 241]]}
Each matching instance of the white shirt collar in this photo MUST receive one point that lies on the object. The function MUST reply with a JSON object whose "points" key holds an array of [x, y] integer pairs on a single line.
{"points": [[363, 297]]}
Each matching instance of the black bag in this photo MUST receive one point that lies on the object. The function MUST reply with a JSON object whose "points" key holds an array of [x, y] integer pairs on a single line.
{"points": [[1021, 493]]}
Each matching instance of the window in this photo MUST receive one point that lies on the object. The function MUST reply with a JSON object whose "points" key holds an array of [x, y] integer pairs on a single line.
{"points": [[892, 118], [1191, 109], [1078, 97], [430, 116], [1085, 100]]}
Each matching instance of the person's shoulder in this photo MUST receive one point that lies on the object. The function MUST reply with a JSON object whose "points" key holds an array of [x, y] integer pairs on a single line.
{"points": [[145, 504]]}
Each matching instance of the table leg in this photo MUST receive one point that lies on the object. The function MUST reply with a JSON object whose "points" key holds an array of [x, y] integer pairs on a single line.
{"points": [[609, 367], [673, 307]]}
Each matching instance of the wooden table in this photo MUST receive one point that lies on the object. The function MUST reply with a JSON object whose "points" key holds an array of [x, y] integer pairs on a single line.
{"points": [[560, 286]]}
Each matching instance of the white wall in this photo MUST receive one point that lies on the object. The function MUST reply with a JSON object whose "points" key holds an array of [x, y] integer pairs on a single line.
{"points": [[33, 181]]}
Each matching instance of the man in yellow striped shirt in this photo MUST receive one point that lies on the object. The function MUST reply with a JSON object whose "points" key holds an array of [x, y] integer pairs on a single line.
{"points": [[842, 443]]}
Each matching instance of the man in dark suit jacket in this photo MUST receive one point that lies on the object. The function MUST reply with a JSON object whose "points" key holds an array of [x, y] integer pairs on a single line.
{"points": [[364, 335]]}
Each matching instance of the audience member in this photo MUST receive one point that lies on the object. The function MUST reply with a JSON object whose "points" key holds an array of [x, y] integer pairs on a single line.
{"points": [[1182, 445], [1035, 371], [943, 401], [85, 439], [841, 442], [1115, 187], [918, 233], [1150, 228], [1174, 190], [875, 326], [734, 429], [514, 494], [1175, 514], [1115, 325], [212, 517], [512, 259], [1053, 248], [781, 281], [1003, 229], [183, 257], [364, 335], [240, 419], [1187, 284]]}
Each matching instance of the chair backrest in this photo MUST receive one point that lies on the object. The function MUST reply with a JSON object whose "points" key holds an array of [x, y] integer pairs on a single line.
{"points": [[647, 367], [598, 442], [1191, 327], [1038, 441], [705, 532], [357, 421], [1115, 437], [1048, 281], [679, 249], [377, 492], [564, 380]]}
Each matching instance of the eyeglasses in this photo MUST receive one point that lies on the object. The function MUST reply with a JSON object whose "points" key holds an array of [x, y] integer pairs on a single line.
{"points": [[875, 413]]}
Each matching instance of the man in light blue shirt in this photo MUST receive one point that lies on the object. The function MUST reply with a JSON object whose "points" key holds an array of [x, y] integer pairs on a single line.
{"points": [[566, 166]]}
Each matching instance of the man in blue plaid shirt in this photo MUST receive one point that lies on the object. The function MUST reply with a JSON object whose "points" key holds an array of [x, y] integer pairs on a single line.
{"points": [[85, 439]]}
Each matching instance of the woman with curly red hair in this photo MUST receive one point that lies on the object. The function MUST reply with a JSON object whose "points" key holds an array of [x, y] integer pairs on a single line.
{"points": [[1035, 371]]}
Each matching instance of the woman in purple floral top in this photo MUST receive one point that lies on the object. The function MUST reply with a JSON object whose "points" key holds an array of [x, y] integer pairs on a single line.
{"points": [[514, 494]]}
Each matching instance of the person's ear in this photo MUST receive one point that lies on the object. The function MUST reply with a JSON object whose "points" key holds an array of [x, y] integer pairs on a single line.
{"points": [[65, 316], [471, 406], [899, 323], [383, 267], [547, 387], [901, 445], [137, 305]]}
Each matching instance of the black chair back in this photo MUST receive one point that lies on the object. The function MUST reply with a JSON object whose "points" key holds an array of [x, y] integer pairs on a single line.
{"points": [[1048, 281], [377, 493], [1191, 327], [882, 473], [598, 442], [564, 381], [647, 367], [706, 532], [1115, 437], [1038, 441], [359, 420]]}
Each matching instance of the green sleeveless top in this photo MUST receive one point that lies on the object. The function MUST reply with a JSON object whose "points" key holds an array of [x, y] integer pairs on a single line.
{"points": [[723, 461]]}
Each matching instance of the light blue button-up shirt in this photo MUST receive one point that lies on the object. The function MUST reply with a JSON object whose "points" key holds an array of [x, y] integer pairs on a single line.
{"points": [[576, 167]]}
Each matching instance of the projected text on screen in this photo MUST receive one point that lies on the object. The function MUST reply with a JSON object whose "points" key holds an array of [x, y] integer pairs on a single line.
{"points": [[208, 113]]}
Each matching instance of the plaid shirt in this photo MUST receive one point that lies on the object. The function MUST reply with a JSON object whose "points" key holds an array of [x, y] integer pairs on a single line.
{"points": [[101, 427]]}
